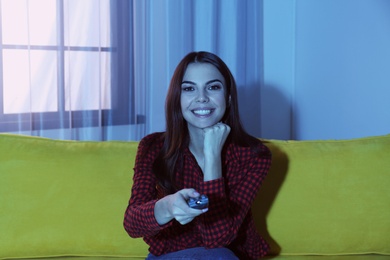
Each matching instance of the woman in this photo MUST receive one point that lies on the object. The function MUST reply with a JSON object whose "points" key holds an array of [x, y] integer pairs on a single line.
{"points": [[204, 150]]}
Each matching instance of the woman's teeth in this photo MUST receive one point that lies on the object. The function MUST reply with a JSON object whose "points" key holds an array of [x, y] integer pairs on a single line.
{"points": [[202, 112]]}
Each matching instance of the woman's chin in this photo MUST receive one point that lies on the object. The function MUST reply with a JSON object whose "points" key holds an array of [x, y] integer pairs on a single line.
{"points": [[203, 126]]}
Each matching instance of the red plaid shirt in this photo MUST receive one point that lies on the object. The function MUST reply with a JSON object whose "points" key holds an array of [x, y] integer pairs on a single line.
{"points": [[228, 223]]}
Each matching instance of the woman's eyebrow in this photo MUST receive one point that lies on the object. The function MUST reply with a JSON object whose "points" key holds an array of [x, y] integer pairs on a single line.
{"points": [[188, 82], [212, 81], [208, 82]]}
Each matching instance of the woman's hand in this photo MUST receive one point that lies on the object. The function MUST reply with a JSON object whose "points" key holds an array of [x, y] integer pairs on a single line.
{"points": [[214, 139], [175, 207]]}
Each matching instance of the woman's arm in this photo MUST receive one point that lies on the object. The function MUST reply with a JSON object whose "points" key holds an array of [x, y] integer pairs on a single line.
{"points": [[139, 217], [175, 207], [231, 197], [145, 214], [214, 140]]}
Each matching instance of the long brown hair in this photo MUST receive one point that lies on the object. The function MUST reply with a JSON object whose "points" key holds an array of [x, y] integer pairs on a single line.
{"points": [[176, 136]]}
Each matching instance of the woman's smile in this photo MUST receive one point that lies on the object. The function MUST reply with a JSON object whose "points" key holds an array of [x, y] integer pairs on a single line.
{"points": [[203, 112]]}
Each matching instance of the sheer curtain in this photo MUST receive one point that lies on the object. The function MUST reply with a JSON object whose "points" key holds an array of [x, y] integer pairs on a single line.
{"points": [[170, 29], [100, 69]]}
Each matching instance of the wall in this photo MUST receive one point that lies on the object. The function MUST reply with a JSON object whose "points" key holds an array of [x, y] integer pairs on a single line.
{"points": [[326, 69]]}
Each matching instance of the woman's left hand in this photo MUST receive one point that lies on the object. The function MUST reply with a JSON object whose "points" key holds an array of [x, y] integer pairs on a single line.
{"points": [[214, 139]]}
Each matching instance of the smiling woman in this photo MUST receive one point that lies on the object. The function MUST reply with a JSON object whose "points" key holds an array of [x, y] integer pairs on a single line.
{"points": [[204, 151]]}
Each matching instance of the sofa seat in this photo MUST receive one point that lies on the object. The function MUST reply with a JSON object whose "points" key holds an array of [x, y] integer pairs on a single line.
{"points": [[278, 257]]}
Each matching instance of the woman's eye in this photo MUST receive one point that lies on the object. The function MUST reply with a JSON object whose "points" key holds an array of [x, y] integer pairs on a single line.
{"points": [[215, 87], [187, 88]]}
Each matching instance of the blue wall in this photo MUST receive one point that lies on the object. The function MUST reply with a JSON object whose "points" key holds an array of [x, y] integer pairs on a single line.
{"points": [[326, 69]]}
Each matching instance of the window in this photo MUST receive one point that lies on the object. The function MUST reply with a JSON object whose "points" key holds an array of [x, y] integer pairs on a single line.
{"points": [[64, 63]]}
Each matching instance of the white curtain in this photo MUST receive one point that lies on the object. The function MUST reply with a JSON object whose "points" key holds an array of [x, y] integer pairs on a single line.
{"points": [[167, 30], [100, 69]]}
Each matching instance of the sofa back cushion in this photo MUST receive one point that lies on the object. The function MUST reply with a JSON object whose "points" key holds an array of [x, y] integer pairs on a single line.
{"points": [[65, 198], [327, 197]]}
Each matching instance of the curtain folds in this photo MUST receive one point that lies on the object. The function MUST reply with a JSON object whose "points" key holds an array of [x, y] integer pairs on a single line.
{"points": [[232, 29], [105, 72]]}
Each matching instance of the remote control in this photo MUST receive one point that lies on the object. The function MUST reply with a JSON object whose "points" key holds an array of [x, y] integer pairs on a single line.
{"points": [[198, 203]]}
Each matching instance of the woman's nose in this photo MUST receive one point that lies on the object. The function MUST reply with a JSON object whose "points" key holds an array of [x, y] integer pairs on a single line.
{"points": [[202, 98]]}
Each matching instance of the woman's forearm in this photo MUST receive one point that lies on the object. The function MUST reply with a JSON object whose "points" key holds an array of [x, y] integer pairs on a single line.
{"points": [[212, 168]]}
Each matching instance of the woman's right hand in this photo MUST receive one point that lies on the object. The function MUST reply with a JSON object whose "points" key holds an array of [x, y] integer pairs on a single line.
{"points": [[175, 206]]}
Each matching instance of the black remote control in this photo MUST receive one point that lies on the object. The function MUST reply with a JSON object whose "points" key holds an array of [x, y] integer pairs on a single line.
{"points": [[200, 202]]}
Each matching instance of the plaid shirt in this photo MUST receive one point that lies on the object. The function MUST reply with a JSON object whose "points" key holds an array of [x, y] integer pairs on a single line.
{"points": [[228, 223]]}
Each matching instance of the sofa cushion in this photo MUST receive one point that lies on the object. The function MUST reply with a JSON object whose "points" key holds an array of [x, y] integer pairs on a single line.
{"points": [[327, 197], [65, 198]]}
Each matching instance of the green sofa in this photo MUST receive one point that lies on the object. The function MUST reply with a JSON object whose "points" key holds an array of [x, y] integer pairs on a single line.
{"points": [[322, 199]]}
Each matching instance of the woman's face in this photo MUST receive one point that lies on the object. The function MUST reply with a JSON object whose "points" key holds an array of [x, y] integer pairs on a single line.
{"points": [[202, 99]]}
